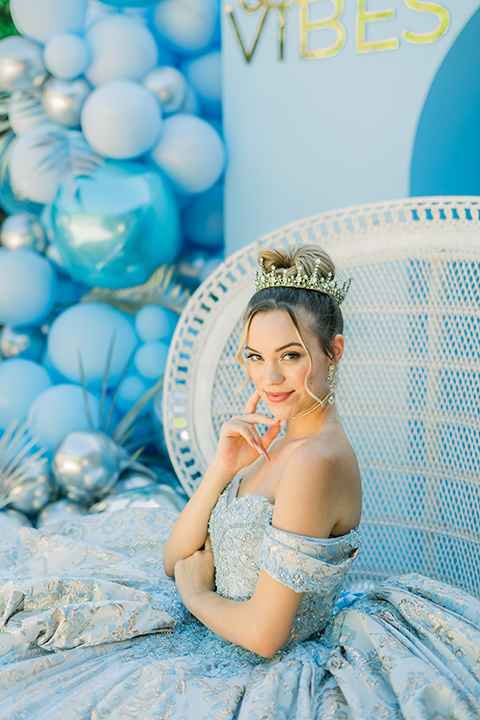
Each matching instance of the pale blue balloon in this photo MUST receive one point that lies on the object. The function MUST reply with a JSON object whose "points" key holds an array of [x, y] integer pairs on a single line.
{"points": [[28, 287], [190, 152], [205, 75], [203, 219], [131, 390], [10, 200], [154, 322], [66, 56], [119, 227], [21, 381], [43, 19], [121, 120], [150, 360], [88, 330], [121, 47], [188, 26], [59, 410]]}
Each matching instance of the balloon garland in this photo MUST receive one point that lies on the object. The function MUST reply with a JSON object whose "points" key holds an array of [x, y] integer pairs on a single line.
{"points": [[111, 177]]}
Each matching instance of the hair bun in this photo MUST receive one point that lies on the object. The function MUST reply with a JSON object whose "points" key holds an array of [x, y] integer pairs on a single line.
{"points": [[298, 257]]}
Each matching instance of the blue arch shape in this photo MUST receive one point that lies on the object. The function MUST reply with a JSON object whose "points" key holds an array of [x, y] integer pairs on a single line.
{"points": [[446, 151]]}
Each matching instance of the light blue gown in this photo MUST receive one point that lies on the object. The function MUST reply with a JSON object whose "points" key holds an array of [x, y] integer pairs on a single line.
{"points": [[92, 628]]}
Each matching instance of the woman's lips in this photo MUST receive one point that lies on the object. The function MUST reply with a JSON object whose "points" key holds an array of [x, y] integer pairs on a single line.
{"points": [[277, 397]]}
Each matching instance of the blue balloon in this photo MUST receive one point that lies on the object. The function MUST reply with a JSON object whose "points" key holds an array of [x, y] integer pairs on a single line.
{"points": [[150, 360], [121, 120], [10, 200], [188, 26], [42, 19], [121, 47], [119, 227], [154, 322], [190, 152], [27, 287], [59, 410], [21, 381], [205, 76], [88, 330], [66, 56], [131, 390], [203, 219]]}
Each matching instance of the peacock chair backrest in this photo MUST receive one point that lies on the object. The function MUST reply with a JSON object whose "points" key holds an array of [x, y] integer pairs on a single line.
{"points": [[410, 376]]}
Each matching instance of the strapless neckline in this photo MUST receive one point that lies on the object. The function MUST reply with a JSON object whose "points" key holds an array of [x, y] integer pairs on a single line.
{"points": [[232, 497]]}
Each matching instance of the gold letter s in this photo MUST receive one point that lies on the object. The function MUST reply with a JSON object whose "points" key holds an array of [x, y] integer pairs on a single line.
{"points": [[428, 7]]}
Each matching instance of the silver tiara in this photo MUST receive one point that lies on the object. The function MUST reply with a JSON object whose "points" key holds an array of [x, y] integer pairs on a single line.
{"points": [[327, 285]]}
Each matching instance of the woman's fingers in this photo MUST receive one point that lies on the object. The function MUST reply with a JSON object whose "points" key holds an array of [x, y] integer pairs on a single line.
{"points": [[252, 402], [271, 434]]}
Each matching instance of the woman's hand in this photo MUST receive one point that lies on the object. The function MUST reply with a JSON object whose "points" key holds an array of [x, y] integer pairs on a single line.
{"points": [[195, 574], [239, 443]]}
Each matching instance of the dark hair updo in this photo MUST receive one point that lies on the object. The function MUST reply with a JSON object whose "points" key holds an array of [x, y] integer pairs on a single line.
{"points": [[324, 312]]}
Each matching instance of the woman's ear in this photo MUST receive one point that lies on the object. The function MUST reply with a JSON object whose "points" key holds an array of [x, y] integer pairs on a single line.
{"points": [[338, 346]]}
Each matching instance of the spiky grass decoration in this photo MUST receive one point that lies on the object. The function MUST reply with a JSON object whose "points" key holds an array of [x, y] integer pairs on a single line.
{"points": [[16, 459]]}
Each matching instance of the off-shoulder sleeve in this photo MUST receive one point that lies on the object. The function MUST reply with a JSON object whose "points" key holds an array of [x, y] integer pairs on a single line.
{"points": [[307, 564]]}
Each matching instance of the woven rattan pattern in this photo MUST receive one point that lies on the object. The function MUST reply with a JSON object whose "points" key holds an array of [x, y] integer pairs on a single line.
{"points": [[410, 377]]}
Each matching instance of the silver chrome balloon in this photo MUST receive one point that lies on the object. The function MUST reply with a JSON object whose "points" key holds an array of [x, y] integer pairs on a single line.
{"points": [[23, 230], [87, 464], [11, 520], [21, 64], [169, 85], [131, 480], [150, 496], [60, 511], [27, 343], [63, 100], [34, 492]]}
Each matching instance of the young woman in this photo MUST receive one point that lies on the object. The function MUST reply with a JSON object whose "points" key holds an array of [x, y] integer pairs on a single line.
{"points": [[258, 558]]}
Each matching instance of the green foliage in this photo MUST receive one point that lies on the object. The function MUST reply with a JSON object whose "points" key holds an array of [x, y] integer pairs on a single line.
{"points": [[6, 25]]}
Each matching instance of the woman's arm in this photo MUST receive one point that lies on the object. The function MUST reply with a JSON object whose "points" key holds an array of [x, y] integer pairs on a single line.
{"points": [[190, 529], [238, 446], [307, 504]]}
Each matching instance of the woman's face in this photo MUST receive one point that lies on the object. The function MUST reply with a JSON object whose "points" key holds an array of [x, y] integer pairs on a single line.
{"points": [[279, 363]]}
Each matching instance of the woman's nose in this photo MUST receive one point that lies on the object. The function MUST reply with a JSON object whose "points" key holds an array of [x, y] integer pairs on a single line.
{"points": [[272, 375]]}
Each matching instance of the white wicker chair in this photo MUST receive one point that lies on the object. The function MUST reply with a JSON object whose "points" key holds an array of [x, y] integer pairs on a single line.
{"points": [[410, 377]]}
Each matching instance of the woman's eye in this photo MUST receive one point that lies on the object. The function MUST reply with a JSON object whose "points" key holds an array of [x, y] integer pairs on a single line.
{"points": [[291, 356], [252, 356]]}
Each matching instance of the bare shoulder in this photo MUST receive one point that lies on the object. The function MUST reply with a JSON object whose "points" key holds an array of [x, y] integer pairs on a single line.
{"points": [[320, 488]]}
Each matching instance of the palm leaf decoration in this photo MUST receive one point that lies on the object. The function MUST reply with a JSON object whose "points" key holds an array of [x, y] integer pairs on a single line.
{"points": [[18, 458], [160, 289], [4, 121], [69, 154]]}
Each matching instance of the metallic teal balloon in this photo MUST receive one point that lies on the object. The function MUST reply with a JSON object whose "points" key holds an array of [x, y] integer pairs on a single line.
{"points": [[119, 226]]}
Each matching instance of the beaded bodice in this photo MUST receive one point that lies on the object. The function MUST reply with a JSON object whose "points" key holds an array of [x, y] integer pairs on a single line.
{"points": [[244, 542]]}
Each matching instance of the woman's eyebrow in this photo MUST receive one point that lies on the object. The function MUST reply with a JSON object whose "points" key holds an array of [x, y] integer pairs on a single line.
{"points": [[278, 349]]}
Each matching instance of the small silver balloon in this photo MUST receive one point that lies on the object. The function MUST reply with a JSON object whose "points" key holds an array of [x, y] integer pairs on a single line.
{"points": [[63, 100], [169, 85], [27, 343], [33, 493], [21, 64], [131, 481], [23, 230], [87, 464], [150, 496], [60, 511]]}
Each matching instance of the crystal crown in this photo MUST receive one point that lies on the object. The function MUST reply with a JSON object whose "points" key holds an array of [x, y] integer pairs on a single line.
{"points": [[327, 285]]}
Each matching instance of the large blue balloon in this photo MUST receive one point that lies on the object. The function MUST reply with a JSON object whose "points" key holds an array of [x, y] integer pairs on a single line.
{"points": [[21, 381], [190, 152], [59, 410], [88, 330], [121, 48], [42, 19], [28, 287], [188, 26], [119, 227], [205, 75], [129, 3], [66, 56], [121, 119], [154, 322]]}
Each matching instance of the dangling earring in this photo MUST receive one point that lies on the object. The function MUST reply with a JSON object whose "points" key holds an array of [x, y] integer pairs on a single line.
{"points": [[331, 381]]}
